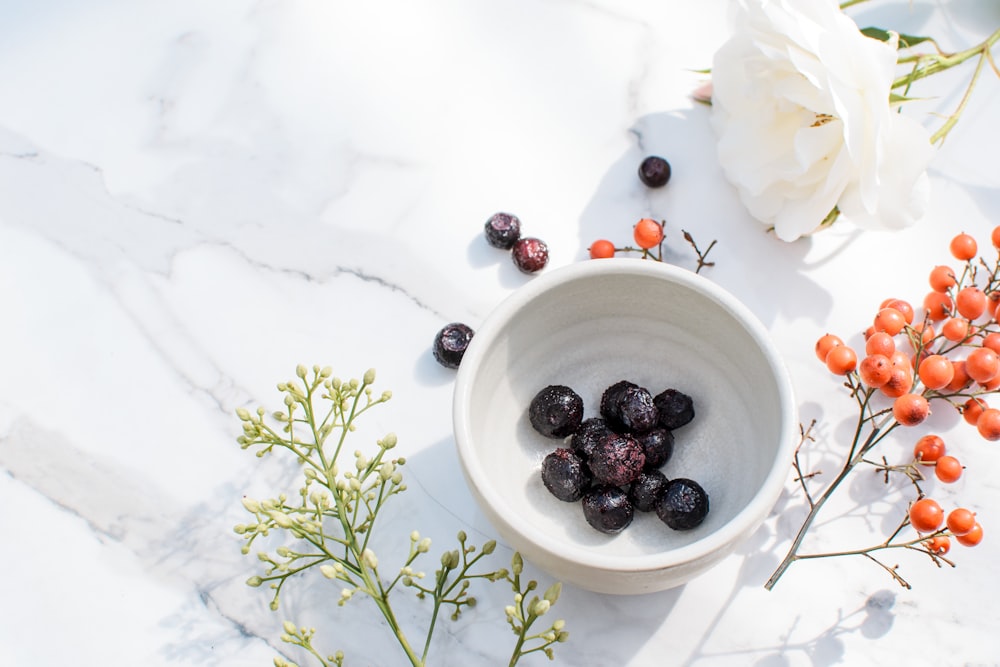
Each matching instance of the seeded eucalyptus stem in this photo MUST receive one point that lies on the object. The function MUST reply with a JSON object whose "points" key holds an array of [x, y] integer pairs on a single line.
{"points": [[333, 525]]}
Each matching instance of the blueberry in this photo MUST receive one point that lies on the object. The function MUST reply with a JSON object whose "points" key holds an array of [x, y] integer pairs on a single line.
{"points": [[556, 411], [628, 407], [675, 408], [565, 475], [450, 344], [646, 490], [657, 445], [530, 254], [502, 230], [616, 460], [587, 436], [654, 171], [607, 509], [683, 505]]}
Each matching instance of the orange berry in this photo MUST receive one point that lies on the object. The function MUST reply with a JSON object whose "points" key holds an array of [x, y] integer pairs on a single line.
{"points": [[938, 305], [880, 343], [938, 545], [899, 359], [963, 247], [889, 320], [602, 249], [926, 515], [942, 278], [960, 521], [647, 233], [903, 307], [988, 424], [929, 448], [948, 469], [955, 329], [982, 364], [900, 382], [972, 409], [875, 370], [992, 385], [826, 343], [910, 409], [996, 313], [841, 360], [995, 237], [960, 378], [971, 538], [936, 371], [992, 341], [970, 302]]}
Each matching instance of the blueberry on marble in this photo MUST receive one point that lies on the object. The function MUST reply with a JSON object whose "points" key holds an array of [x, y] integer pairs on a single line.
{"points": [[654, 171], [503, 230], [556, 411], [530, 255], [450, 344]]}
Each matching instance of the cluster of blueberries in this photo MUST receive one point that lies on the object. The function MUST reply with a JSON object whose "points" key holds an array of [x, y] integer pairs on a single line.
{"points": [[503, 231], [613, 462]]}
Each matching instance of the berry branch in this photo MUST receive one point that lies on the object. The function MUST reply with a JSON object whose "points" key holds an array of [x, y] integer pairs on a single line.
{"points": [[893, 390], [331, 524]]}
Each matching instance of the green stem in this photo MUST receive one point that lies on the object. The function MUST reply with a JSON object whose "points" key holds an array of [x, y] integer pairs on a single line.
{"points": [[950, 123], [939, 62]]}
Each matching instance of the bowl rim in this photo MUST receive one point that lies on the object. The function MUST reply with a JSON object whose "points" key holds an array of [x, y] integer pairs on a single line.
{"points": [[738, 527]]}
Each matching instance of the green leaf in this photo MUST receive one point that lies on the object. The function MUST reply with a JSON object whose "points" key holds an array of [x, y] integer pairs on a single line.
{"points": [[905, 41], [876, 33]]}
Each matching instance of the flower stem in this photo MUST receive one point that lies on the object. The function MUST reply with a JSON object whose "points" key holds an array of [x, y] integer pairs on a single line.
{"points": [[927, 64]]}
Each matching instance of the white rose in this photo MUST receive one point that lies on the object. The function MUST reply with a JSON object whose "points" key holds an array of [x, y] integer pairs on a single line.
{"points": [[800, 104]]}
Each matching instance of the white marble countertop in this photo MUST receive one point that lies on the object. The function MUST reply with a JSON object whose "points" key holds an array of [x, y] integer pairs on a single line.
{"points": [[197, 196]]}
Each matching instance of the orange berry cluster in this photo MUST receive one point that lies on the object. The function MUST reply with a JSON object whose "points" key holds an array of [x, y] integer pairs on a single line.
{"points": [[949, 355], [958, 364], [927, 516], [648, 234]]}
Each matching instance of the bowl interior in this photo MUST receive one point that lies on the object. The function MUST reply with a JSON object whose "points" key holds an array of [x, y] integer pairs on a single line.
{"points": [[587, 327]]}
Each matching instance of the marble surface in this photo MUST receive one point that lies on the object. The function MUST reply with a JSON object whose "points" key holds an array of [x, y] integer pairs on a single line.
{"points": [[197, 196]]}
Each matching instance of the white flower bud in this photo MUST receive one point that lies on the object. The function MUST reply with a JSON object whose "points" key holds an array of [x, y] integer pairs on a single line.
{"points": [[328, 571], [243, 414], [281, 519], [369, 376], [541, 607], [424, 545], [369, 559], [251, 505], [289, 627]]}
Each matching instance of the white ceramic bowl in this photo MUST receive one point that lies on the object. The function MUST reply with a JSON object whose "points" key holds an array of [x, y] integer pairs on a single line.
{"points": [[587, 326]]}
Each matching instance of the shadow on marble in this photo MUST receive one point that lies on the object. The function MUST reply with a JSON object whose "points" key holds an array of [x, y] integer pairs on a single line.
{"points": [[699, 200]]}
